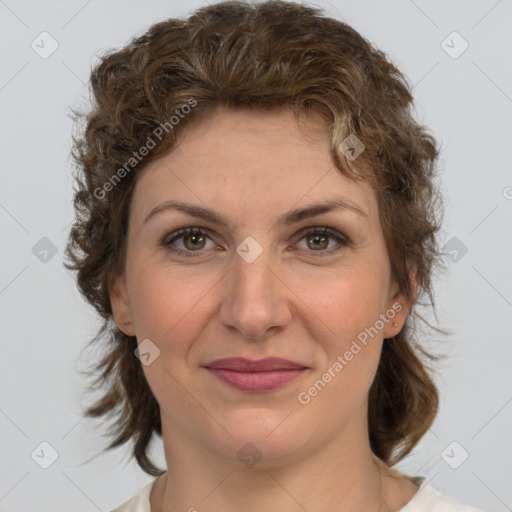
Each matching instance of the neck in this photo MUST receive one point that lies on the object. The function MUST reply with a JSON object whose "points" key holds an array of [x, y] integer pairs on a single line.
{"points": [[342, 474]]}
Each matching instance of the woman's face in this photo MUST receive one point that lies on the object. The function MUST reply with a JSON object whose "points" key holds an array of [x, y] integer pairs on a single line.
{"points": [[259, 284]]}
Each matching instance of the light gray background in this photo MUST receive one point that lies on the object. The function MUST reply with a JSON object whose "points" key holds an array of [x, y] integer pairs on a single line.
{"points": [[467, 101]]}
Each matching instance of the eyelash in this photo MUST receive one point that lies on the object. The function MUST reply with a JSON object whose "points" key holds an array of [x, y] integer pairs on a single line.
{"points": [[326, 231]]}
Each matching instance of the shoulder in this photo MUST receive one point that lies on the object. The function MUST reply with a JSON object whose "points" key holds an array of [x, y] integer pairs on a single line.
{"points": [[429, 499], [139, 502]]}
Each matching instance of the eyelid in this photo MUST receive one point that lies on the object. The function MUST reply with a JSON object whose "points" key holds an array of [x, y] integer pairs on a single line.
{"points": [[324, 230]]}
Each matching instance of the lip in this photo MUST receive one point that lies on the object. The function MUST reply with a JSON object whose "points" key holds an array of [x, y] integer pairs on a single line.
{"points": [[242, 364], [261, 375]]}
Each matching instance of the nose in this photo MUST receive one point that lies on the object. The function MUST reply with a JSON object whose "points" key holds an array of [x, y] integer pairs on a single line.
{"points": [[256, 302]]}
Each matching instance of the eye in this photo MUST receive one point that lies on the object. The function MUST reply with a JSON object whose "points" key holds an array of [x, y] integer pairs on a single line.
{"points": [[318, 238], [192, 242]]}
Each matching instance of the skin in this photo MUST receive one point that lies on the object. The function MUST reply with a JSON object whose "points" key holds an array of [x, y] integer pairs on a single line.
{"points": [[290, 303]]}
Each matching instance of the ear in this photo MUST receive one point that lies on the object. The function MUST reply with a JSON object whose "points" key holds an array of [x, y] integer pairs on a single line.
{"points": [[121, 306], [399, 307]]}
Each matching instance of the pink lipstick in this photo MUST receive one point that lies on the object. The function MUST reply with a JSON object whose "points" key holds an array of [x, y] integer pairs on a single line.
{"points": [[261, 375]]}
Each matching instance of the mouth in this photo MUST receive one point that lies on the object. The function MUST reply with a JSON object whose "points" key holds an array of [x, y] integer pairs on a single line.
{"points": [[263, 375]]}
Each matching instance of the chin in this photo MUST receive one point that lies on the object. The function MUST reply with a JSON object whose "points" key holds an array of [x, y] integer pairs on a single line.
{"points": [[262, 438]]}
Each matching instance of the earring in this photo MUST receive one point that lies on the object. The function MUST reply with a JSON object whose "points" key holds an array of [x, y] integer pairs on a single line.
{"points": [[395, 324]]}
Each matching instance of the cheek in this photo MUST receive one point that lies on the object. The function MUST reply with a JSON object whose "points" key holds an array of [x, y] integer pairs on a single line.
{"points": [[348, 310], [168, 304], [348, 302], [350, 353], [170, 309]]}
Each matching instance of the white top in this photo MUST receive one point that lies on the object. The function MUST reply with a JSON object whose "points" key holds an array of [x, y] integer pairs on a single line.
{"points": [[426, 499]]}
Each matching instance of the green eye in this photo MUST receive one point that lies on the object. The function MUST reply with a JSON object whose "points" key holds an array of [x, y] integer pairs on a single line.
{"points": [[194, 241]]}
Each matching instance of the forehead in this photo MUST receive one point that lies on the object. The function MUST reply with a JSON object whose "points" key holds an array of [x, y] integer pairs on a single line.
{"points": [[244, 161]]}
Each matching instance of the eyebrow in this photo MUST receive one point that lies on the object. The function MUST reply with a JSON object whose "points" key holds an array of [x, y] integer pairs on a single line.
{"points": [[287, 219]]}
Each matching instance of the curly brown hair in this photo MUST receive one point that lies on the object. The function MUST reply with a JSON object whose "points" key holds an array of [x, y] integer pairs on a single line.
{"points": [[263, 57]]}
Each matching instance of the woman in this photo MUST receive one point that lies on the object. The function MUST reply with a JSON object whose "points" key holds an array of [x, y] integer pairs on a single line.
{"points": [[256, 222]]}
